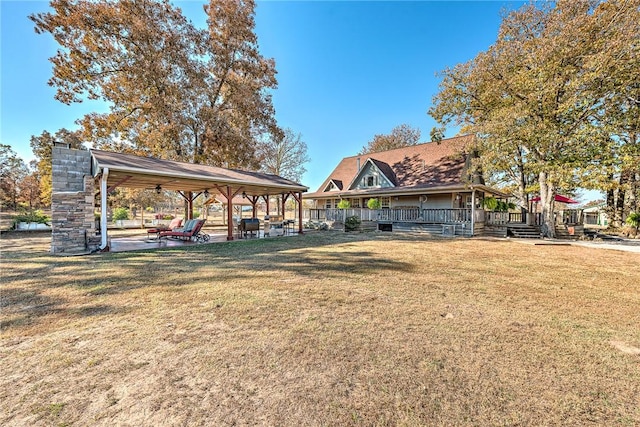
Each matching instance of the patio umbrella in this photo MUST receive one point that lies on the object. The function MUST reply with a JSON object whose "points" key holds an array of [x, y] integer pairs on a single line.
{"points": [[558, 198]]}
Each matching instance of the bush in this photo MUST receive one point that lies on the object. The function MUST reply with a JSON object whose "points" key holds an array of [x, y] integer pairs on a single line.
{"points": [[374, 204], [344, 204], [120, 214], [493, 204], [34, 216], [352, 223], [634, 220]]}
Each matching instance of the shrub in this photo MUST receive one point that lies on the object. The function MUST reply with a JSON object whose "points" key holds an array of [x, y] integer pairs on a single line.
{"points": [[634, 220], [352, 223], [344, 204], [374, 204], [493, 204], [34, 216], [120, 214]]}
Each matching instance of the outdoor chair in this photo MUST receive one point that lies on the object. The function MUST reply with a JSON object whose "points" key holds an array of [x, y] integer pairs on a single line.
{"points": [[175, 223], [190, 231]]}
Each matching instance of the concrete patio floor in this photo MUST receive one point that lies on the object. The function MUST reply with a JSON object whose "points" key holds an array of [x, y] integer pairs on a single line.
{"points": [[135, 240]]}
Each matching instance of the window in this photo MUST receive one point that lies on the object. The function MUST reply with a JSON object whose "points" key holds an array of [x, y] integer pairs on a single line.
{"points": [[384, 202], [328, 204], [355, 203], [370, 181]]}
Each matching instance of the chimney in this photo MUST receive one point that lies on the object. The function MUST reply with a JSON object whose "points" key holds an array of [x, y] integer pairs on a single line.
{"points": [[358, 161]]}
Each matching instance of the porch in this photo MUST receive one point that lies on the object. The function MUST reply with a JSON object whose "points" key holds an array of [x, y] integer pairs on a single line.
{"points": [[462, 222]]}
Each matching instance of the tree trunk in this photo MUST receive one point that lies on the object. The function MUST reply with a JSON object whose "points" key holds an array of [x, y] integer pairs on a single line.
{"points": [[618, 213], [634, 185], [547, 200]]}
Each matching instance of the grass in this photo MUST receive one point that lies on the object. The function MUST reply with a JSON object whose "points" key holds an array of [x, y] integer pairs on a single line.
{"points": [[326, 329]]}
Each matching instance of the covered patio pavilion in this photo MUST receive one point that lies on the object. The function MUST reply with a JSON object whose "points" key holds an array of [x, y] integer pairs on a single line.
{"points": [[190, 181], [80, 178]]}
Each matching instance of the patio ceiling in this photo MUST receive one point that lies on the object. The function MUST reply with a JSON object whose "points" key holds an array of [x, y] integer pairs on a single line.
{"points": [[126, 170]]}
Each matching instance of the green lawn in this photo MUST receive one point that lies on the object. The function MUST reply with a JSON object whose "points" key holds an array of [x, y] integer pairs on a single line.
{"points": [[325, 329]]}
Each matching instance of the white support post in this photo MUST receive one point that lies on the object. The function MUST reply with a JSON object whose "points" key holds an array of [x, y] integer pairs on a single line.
{"points": [[103, 210], [473, 210]]}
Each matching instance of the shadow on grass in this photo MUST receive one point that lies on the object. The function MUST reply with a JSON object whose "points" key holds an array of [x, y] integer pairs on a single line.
{"points": [[28, 315], [316, 256]]}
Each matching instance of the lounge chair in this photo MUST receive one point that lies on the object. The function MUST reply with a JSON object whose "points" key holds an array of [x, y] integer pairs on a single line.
{"points": [[190, 231], [175, 223]]}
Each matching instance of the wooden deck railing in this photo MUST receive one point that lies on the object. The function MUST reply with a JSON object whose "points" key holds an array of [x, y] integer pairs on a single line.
{"points": [[439, 216], [426, 216]]}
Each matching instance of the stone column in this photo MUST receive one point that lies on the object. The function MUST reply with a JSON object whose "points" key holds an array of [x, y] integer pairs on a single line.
{"points": [[73, 228]]}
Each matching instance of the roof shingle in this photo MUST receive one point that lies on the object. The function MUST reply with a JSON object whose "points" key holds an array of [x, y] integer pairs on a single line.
{"points": [[419, 166]]}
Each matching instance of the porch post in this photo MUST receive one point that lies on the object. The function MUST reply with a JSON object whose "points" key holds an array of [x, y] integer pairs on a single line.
{"points": [[299, 200], [266, 200], [473, 210], [284, 201], [229, 197], [254, 200], [104, 245]]}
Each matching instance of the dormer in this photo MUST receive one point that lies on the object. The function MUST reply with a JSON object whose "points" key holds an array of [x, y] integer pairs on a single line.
{"points": [[373, 174], [333, 185]]}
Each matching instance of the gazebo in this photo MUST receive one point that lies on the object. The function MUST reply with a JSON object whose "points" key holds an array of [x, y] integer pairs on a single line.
{"points": [[76, 173]]}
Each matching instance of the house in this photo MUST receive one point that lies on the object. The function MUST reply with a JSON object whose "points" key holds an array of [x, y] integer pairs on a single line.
{"points": [[428, 186]]}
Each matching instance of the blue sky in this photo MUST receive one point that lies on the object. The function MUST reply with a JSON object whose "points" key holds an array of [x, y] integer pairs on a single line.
{"points": [[346, 70]]}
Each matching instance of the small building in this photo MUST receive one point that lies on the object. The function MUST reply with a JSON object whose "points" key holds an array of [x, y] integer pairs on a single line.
{"points": [[596, 216], [428, 187]]}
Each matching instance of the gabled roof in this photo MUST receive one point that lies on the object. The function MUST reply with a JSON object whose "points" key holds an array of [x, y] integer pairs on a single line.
{"points": [[422, 166], [337, 183], [382, 167], [386, 170], [147, 172]]}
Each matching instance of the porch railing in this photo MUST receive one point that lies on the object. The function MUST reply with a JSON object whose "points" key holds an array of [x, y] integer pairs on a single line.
{"points": [[427, 216], [439, 216]]}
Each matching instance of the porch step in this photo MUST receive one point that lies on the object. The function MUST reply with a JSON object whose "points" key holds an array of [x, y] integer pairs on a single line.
{"points": [[524, 231], [570, 232], [494, 231]]}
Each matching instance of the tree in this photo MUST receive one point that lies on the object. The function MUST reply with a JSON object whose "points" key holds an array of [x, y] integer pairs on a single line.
{"points": [[175, 91], [284, 155], [534, 98], [400, 136], [29, 190], [616, 166], [42, 148], [12, 171]]}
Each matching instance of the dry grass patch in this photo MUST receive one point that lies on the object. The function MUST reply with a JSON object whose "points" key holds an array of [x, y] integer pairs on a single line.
{"points": [[325, 329]]}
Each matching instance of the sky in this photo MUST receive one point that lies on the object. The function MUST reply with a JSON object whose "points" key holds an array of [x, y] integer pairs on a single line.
{"points": [[347, 70]]}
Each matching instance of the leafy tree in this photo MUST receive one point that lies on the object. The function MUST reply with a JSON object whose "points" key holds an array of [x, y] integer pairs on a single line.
{"points": [[284, 155], [534, 99], [400, 136], [42, 147], [29, 188], [175, 91], [120, 214], [616, 166], [12, 171]]}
